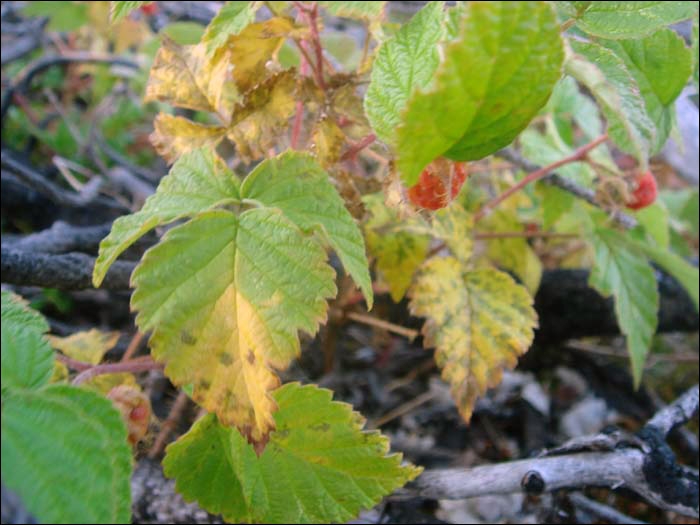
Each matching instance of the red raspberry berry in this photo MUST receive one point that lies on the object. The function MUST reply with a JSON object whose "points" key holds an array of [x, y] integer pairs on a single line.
{"points": [[645, 193], [431, 190], [149, 9]]}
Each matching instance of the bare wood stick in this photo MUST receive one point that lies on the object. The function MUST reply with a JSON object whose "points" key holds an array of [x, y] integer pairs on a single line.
{"points": [[169, 424], [599, 510], [409, 333]]}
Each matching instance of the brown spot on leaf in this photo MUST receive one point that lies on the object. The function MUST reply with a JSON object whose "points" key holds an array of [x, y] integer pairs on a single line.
{"points": [[251, 357]]}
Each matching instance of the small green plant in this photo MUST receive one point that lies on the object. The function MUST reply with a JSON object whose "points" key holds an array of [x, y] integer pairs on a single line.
{"points": [[244, 269]]}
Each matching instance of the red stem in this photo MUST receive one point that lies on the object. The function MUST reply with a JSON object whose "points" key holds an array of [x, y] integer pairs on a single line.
{"points": [[577, 155], [299, 116], [358, 146], [141, 364], [311, 15]]}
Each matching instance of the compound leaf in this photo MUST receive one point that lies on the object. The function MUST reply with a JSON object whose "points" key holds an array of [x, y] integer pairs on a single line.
{"points": [[27, 359], [65, 452], [627, 19], [622, 272], [225, 296], [405, 62], [479, 321], [607, 78], [483, 93], [175, 136], [296, 184], [197, 181], [320, 464]]}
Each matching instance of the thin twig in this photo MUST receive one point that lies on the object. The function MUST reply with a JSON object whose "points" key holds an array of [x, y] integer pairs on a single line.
{"points": [[169, 424], [576, 156], [358, 146], [405, 408], [134, 345], [409, 333], [604, 512]]}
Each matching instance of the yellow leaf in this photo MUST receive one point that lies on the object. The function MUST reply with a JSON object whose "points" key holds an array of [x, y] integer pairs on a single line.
{"points": [[347, 106], [88, 347], [479, 321], [103, 383], [186, 76], [60, 372], [398, 252], [327, 140], [262, 116], [253, 47], [453, 225], [174, 136]]}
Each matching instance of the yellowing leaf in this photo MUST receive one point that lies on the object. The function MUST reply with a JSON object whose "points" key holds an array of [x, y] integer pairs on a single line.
{"points": [[454, 226], [175, 136], [186, 76], [328, 140], [479, 321], [399, 252], [103, 383], [254, 46], [225, 296], [89, 346], [262, 115], [230, 20]]}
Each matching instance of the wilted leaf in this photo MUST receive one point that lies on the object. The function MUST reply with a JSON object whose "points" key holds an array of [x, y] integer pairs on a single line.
{"points": [[27, 359], [483, 93], [454, 226], [174, 136], [262, 115], [323, 467], [328, 140], [398, 251], [64, 451], [135, 409], [479, 321], [188, 77], [197, 181], [89, 346]]}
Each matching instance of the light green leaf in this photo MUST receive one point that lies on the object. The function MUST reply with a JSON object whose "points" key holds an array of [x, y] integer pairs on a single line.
{"points": [[695, 49], [607, 78], [27, 359], [361, 10], [225, 296], [230, 20], [628, 19], [661, 64], [63, 16], [119, 10], [654, 219], [297, 185], [405, 62], [398, 250], [483, 93], [319, 466], [65, 452], [197, 181], [567, 101], [620, 271]]}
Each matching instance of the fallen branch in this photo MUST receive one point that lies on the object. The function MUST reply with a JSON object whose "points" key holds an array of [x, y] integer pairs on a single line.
{"points": [[644, 465]]}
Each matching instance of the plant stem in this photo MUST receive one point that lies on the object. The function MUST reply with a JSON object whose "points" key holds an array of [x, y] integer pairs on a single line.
{"points": [[485, 236], [408, 333], [358, 146], [141, 364], [299, 116], [577, 155], [311, 15]]}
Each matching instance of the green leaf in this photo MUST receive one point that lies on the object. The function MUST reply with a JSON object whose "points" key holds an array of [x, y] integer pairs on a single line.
{"points": [[398, 250], [405, 62], [64, 451], [119, 10], [628, 19], [654, 219], [484, 90], [297, 185], [197, 181], [319, 467], [27, 359], [620, 271], [661, 64], [184, 33], [361, 10], [607, 78], [695, 49], [479, 321], [63, 16], [225, 296], [230, 20], [567, 101]]}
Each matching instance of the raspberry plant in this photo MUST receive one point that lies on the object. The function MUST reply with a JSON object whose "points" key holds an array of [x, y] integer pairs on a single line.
{"points": [[243, 266]]}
